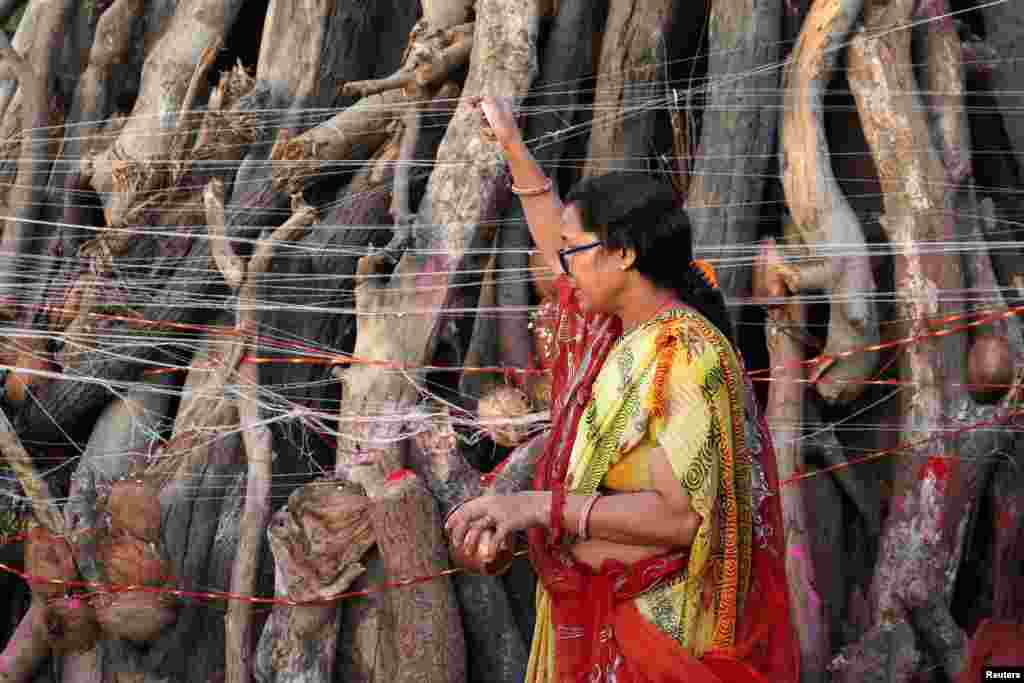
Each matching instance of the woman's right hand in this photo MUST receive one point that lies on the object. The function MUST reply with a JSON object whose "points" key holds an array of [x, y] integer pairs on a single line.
{"points": [[500, 119]]}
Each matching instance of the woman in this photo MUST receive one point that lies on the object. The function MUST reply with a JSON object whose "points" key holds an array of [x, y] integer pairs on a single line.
{"points": [[642, 524]]}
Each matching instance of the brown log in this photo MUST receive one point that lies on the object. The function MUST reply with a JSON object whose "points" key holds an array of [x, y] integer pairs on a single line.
{"points": [[48, 557], [136, 616], [27, 648], [144, 143], [28, 193], [923, 536], [432, 56], [635, 41], [318, 539], [259, 453], [1006, 489], [784, 414], [424, 639], [364, 125], [737, 135], [465, 191], [361, 627], [134, 509], [130, 561], [34, 486], [817, 205], [1003, 24], [441, 14], [496, 648]]}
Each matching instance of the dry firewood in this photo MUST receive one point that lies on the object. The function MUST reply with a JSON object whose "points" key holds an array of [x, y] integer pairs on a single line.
{"points": [[228, 263], [431, 57], [29, 189], [820, 211], [424, 640], [318, 539], [133, 164], [34, 486], [364, 124], [1003, 22], [923, 537], [136, 616], [442, 14], [628, 72], [784, 413], [737, 134], [259, 451], [498, 652], [503, 62], [255, 513]]}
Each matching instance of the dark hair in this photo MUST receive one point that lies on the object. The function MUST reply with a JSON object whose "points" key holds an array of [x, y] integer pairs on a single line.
{"points": [[631, 210]]}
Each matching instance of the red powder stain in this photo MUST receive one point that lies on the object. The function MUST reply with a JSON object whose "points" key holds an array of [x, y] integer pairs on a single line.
{"points": [[1005, 519], [399, 475], [936, 467]]}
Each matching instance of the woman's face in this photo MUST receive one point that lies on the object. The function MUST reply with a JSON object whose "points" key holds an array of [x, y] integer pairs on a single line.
{"points": [[596, 273]]}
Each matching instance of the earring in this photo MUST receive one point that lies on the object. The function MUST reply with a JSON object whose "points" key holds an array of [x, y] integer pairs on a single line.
{"points": [[623, 267]]}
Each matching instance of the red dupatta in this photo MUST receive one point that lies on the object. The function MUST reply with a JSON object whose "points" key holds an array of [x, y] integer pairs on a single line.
{"points": [[599, 633]]}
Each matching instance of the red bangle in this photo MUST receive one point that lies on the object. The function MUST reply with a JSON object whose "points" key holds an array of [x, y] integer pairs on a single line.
{"points": [[557, 507]]}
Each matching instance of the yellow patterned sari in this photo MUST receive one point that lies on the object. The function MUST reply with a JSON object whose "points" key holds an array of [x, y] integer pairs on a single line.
{"points": [[674, 382]]}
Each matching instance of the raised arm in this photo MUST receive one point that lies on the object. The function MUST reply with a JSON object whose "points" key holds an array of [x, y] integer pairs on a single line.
{"points": [[543, 209]]}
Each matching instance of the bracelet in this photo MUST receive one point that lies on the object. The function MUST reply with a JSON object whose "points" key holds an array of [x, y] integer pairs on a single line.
{"points": [[582, 531], [533, 191], [451, 512], [557, 507]]}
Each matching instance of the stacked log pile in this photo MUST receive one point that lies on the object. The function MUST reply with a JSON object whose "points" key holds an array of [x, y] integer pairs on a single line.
{"points": [[269, 312]]}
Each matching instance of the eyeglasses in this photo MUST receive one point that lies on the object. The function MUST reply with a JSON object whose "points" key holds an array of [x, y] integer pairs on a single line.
{"points": [[569, 251]]}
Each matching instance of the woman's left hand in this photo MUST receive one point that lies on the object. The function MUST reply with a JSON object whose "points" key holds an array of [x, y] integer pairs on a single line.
{"points": [[501, 515]]}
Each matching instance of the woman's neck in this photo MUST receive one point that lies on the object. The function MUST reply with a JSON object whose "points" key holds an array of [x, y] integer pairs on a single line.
{"points": [[642, 302]]}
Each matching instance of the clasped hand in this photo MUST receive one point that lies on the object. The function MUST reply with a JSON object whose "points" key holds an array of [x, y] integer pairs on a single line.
{"points": [[480, 531]]}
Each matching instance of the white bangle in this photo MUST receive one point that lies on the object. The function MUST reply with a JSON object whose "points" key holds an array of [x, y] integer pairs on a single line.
{"points": [[583, 525]]}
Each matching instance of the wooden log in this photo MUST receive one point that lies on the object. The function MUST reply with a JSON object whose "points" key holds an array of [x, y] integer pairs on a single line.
{"points": [[192, 506], [29, 191], [635, 41], [497, 650], [1003, 23], [35, 486], [259, 455], [99, 87], [364, 127], [1007, 541], [464, 191], [318, 539], [432, 56], [440, 14], [818, 207], [61, 403], [27, 648], [424, 639], [132, 168], [353, 41], [257, 439], [923, 536], [361, 626], [784, 414], [569, 56], [737, 135]]}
